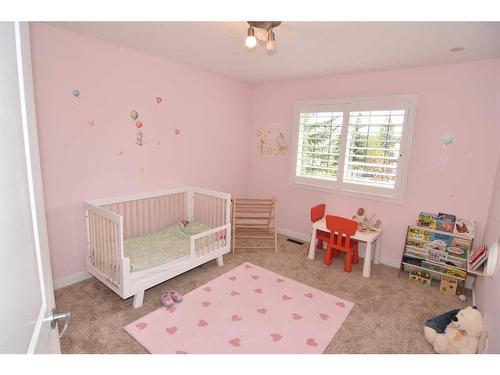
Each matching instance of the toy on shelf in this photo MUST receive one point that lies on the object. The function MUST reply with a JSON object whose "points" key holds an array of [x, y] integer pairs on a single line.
{"points": [[448, 285], [420, 278]]}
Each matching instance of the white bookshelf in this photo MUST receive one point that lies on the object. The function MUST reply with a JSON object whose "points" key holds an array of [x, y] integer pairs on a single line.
{"points": [[417, 255]]}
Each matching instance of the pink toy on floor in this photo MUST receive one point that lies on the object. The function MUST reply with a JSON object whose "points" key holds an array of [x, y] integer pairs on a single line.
{"points": [[171, 298]]}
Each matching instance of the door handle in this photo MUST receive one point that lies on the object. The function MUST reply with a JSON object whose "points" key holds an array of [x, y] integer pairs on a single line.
{"points": [[56, 317]]}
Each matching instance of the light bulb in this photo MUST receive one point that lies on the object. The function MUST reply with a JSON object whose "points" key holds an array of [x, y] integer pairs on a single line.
{"points": [[250, 41], [271, 43]]}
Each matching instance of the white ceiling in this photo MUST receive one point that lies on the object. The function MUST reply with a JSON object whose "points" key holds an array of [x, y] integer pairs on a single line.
{"points": [[305, 49]]}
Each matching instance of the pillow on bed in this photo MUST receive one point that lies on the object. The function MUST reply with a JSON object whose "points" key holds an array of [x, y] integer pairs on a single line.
{"points": [[183, 223], [193, 228]]}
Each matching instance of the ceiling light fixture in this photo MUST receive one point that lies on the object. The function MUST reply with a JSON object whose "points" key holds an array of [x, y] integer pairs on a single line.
{"points": [[265, 34]]}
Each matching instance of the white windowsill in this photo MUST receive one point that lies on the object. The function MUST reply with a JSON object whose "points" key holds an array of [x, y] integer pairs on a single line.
{"points": [[350, 193]]}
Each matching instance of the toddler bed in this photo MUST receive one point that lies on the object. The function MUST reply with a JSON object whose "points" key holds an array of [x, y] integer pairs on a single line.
{"points": [[136, 242]]}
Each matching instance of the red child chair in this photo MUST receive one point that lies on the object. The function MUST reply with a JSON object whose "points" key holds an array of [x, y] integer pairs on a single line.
{"points": [[344, 229], [317, 213]]}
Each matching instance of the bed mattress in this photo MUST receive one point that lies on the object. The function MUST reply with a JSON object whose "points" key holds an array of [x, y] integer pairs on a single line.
{"points": [[161, 247]]}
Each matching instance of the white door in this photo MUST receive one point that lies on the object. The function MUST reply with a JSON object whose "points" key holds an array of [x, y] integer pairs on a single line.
{"points": [[26, 291]]}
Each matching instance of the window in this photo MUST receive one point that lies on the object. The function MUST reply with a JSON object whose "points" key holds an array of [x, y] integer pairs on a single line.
{"points": [[355, 146]]}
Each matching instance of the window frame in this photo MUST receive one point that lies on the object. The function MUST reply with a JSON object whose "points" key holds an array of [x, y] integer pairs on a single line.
{"points": [[347, 105]]}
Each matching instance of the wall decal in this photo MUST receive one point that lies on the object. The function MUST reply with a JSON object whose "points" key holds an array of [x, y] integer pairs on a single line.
{"points": [[272, 142], [446, 140], [76, 94], [139, 135], [91, 122], [159, 99], [263, 135], [158, 143], [177, 132], [134, 115], [121, 153], [138, 124]]}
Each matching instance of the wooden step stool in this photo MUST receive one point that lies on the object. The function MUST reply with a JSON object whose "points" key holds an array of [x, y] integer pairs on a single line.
{"points": [[254, 219]]}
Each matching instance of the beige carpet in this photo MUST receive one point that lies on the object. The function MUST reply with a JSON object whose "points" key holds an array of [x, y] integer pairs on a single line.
{"points": [[388, 315]]}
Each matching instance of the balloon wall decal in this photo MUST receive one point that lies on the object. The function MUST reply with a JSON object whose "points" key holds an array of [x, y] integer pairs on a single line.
{"points": [[159, 99], [446, 140], [91, 123], [76, 94], [177, 131], [138, 137], [138, 124]]}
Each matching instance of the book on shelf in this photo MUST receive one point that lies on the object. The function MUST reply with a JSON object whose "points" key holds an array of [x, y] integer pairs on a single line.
{"points": [[424, 238], [479, 259], [427, 220], [456, 262], [478, 263], [419, 234], [445, 222], [457, 272], [412, 261], [465, 228], [477, 253]]}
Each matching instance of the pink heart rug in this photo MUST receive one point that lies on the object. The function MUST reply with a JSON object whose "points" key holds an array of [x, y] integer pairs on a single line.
{"points": [[246, 310]]}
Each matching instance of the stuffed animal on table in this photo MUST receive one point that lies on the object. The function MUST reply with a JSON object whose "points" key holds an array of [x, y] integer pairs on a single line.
{"points": [[360, 217], [461, 335], [366, 222]]}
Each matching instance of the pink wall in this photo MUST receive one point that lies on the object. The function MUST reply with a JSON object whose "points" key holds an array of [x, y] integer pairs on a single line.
{"points": [[82, 162], [458, 99]]}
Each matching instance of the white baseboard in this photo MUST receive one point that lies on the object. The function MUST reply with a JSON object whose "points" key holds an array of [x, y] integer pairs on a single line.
{"points": [[294, 235], [306, 238], [71, 279]]}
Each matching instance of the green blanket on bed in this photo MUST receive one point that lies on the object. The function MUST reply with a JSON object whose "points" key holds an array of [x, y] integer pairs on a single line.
{"points": [[161, 247]]}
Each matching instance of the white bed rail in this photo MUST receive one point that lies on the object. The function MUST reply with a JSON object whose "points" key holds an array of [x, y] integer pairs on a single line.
{"points": [[208, 241], [105, 244], [214, 210], [211, 208]]}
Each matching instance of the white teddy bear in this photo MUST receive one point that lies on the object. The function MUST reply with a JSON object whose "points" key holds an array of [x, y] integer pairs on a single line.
{"points": [[461, 335]]}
